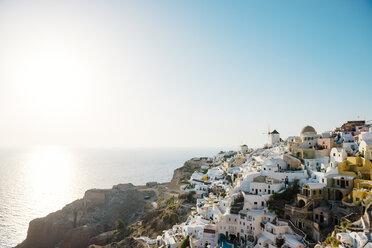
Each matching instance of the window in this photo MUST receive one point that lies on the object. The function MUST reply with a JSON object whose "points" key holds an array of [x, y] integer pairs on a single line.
{"points": [[320, 192], [334, 154], [255, 203], [347, 183]]}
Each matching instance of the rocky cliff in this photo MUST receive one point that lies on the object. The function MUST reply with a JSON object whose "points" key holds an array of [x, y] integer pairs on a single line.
{"points": [[78, 223], [90, 221], [182, 174]]}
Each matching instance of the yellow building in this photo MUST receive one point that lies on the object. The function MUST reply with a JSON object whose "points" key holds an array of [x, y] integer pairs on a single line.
{"points": [[356, 166], [361, 169]]}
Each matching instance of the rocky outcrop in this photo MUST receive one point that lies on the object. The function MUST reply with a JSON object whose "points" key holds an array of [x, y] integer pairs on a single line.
{"points": [[182, 175], [90, 221], [78, 223]]}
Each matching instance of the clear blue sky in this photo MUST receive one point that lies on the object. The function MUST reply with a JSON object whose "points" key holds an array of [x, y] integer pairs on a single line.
{"points": [[180, 73]]}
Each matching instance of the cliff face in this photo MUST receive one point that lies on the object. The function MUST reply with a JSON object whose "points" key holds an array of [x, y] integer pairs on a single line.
{"points": [[78, 223], [90, 221], [182, 174]]}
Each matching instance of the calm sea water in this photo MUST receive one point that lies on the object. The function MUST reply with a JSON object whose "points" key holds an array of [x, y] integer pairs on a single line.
{"points": [[37, 181]]}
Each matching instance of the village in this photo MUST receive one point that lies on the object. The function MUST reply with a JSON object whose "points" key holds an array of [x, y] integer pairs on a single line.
{"points": [[311, 190]]}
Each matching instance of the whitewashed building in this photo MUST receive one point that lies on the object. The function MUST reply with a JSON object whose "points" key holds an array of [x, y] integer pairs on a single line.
{"points": [[274, 138]]}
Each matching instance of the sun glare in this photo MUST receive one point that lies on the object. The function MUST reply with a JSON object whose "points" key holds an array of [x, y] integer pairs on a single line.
{"points": [[49, 168], [52, 77]]}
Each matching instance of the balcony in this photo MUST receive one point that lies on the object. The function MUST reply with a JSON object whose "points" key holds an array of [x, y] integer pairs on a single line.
{"points": [[299, 211]]}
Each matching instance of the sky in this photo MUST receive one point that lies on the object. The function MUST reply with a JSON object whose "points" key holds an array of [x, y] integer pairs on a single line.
{"points": [[180, 73]]}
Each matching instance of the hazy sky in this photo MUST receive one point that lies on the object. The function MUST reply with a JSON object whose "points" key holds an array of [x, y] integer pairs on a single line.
{"points": [[180, 73]]}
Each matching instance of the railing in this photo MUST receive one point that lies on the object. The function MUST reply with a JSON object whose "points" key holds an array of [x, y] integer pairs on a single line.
{"points": [[297, 231], [297, 209]]}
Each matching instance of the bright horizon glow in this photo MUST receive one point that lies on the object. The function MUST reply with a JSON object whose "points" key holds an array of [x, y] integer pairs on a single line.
{"points": [[48, 167], [180, 74]]}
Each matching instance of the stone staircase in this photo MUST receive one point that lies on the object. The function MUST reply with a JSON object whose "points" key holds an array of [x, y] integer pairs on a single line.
{"points": [[367, 217], [369, 236], [237, 205]]}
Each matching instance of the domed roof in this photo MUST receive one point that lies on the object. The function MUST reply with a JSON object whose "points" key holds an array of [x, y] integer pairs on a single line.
{"points": [[308, 130]]}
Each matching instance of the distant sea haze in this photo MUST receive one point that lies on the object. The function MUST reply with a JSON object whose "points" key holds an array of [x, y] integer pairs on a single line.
{"points": [[37, 181]]}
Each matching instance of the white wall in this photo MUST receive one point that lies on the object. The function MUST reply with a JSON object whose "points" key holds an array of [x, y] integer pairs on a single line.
{"points": [[337, 156], [263, 188], [291, 175]]}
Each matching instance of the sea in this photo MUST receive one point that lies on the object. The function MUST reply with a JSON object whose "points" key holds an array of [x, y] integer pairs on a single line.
{"points": [[39, 180]]}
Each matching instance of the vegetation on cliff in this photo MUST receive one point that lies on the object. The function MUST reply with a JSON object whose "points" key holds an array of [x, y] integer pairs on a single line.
{"points": [[278, 200]]}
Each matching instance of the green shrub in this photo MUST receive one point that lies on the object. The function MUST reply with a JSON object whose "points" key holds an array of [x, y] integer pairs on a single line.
{"points": [[333, 241], [120, 225], [170, 218], [188, 197]]}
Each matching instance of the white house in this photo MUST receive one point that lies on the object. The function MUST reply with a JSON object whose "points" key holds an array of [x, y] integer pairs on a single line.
{"points": [[316, 163], [365, 148], [215, 173], [171, 238], [246, 225], [209, 237], [337, 155], [365, 136], [353, 239], [263, 185], [274, 165], [244, 183], [228, 224], [277, 169], [194, 225], [253, 201], [279, 230]]}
